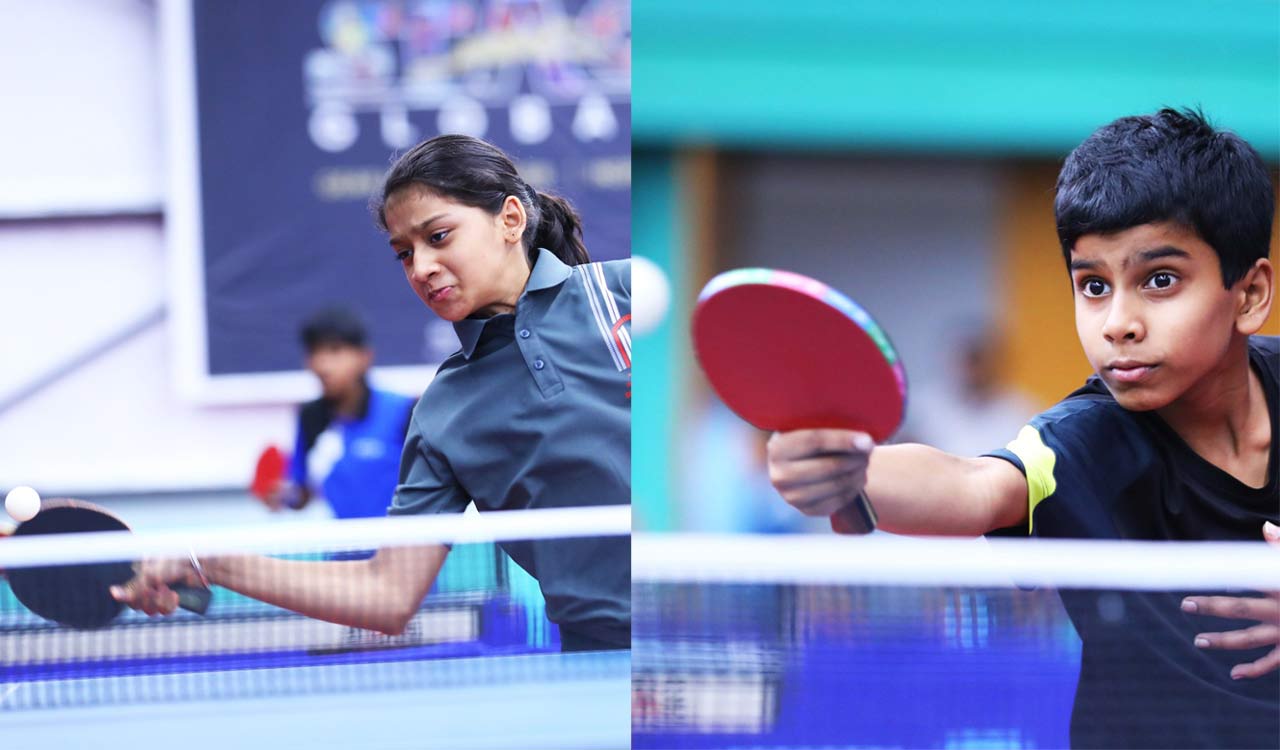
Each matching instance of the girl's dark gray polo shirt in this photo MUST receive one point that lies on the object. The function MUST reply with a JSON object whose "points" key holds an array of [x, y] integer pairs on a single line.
{"points": [[535, 412]]}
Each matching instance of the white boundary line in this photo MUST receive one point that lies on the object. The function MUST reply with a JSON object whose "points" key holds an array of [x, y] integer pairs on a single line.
{"points": [[886, 559], [312, 536]]}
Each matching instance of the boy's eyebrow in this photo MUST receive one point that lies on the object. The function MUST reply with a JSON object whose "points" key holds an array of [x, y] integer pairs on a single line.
{"points": [[419, 227], [1146, 256], [1141, 257]]}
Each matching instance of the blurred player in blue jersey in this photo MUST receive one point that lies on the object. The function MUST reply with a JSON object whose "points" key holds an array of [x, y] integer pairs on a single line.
{"points": [[349, 439]]}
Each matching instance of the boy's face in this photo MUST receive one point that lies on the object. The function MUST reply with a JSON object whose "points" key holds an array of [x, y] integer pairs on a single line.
{"points": [[340, 367], [1151, 311]]}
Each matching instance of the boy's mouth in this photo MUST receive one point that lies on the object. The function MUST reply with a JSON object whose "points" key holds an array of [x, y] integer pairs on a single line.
{"points": [[441, 294], [1130, 371]]}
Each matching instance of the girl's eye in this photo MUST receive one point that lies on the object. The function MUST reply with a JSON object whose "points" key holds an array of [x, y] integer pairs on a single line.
{"points": [[1094, 287], [1162, 280], [438, 237], [404, 255]]}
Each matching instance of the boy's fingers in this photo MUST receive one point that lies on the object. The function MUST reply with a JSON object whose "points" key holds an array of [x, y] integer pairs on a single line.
{"points": [[1265, 665], [786, 475], [1237, 607], [807, 443], [1254, 637], [823, 498]]}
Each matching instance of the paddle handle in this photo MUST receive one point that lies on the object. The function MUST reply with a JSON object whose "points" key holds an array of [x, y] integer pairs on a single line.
{"points": [[858, 517], [193, 598]]}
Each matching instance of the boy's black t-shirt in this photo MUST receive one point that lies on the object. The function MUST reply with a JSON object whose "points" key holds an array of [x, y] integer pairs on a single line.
{"points": [[1098, 471]]}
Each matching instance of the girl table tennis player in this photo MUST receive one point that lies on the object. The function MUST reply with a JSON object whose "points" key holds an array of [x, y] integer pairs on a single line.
{"points": [[532, 412]]}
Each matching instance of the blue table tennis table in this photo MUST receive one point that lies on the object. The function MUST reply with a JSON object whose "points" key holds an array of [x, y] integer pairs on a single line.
{"points": [[535, 700], [478, 673]]}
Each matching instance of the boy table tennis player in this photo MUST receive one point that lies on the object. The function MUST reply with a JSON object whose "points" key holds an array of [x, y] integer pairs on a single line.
{"points": [[1165, 225], [349, 439]]}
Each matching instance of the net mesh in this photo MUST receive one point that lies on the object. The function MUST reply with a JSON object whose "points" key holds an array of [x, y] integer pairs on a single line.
{"points": [[808, 641], [481, 628]]}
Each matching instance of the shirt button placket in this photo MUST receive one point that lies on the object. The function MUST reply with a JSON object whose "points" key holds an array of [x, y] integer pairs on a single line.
{"points": [[544, 375]]}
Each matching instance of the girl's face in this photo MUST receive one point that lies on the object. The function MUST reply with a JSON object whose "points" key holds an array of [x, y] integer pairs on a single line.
{"points": [[462, 261]]}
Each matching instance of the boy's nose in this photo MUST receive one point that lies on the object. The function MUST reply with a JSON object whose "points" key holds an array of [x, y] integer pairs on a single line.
{"points": [[1123, 321]]}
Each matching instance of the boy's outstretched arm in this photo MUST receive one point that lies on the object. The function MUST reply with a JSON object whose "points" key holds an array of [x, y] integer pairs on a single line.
{"points": [[915, 489]]}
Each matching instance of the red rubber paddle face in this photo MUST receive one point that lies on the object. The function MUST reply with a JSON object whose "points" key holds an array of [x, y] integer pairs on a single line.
{"points": [[785, 352], [268, 473]]}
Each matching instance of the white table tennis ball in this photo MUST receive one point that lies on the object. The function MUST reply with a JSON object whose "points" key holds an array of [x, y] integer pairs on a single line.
{"points": [[650, 295], [23, 503]]}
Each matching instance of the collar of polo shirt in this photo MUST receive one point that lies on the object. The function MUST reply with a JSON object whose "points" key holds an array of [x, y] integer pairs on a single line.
{"points": [[547, 272]]}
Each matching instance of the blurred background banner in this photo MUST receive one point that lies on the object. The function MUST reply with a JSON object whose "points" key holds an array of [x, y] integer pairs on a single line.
{"points": [[284, 118], [904, 153]]}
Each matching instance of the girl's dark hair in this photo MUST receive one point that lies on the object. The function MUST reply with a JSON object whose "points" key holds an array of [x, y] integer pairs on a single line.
{"points": [[1169, 166], [478, 174]]}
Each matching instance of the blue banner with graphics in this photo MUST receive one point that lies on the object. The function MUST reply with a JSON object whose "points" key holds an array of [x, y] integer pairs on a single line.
{"points": [[302, 106]]}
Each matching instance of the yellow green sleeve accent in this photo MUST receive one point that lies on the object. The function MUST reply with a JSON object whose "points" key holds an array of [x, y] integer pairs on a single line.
{"points": [[1038, 460]]}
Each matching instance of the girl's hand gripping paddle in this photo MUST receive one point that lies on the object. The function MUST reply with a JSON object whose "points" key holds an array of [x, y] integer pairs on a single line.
{"points": [[79, 596]]}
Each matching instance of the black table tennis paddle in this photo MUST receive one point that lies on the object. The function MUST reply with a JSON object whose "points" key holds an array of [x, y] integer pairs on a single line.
{"points": [[79, 596]]}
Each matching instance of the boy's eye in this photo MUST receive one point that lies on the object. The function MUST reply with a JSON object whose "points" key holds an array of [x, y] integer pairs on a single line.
{"points": [[1094, 287], [1161, 280], [404, 255], [438, 237]]}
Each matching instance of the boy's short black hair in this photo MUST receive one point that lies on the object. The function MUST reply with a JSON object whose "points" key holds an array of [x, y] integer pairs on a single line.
{"points": [[333, 325], [1169, 166]]}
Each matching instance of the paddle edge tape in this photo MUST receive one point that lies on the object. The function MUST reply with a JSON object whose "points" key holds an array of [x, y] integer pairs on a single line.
{"points": [[821, 292], [101, 519]]}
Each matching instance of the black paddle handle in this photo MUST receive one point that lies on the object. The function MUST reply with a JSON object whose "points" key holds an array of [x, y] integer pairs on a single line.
{"points": [[858, 517], [193, 598]]}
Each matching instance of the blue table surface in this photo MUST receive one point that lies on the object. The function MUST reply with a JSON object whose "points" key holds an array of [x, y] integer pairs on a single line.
{"points": [[520, 701], [428, 697]]}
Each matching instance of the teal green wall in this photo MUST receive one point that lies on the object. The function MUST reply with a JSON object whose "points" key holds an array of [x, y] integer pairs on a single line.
{"points": [[655, 392], [980, 76]]}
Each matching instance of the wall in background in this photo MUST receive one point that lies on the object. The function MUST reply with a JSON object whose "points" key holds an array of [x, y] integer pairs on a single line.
{"points": [[985, 76], [87, 402]]}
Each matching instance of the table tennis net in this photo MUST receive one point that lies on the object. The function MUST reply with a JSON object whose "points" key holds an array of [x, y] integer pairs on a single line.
{"points": [[481, 609], [882, 641]]}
